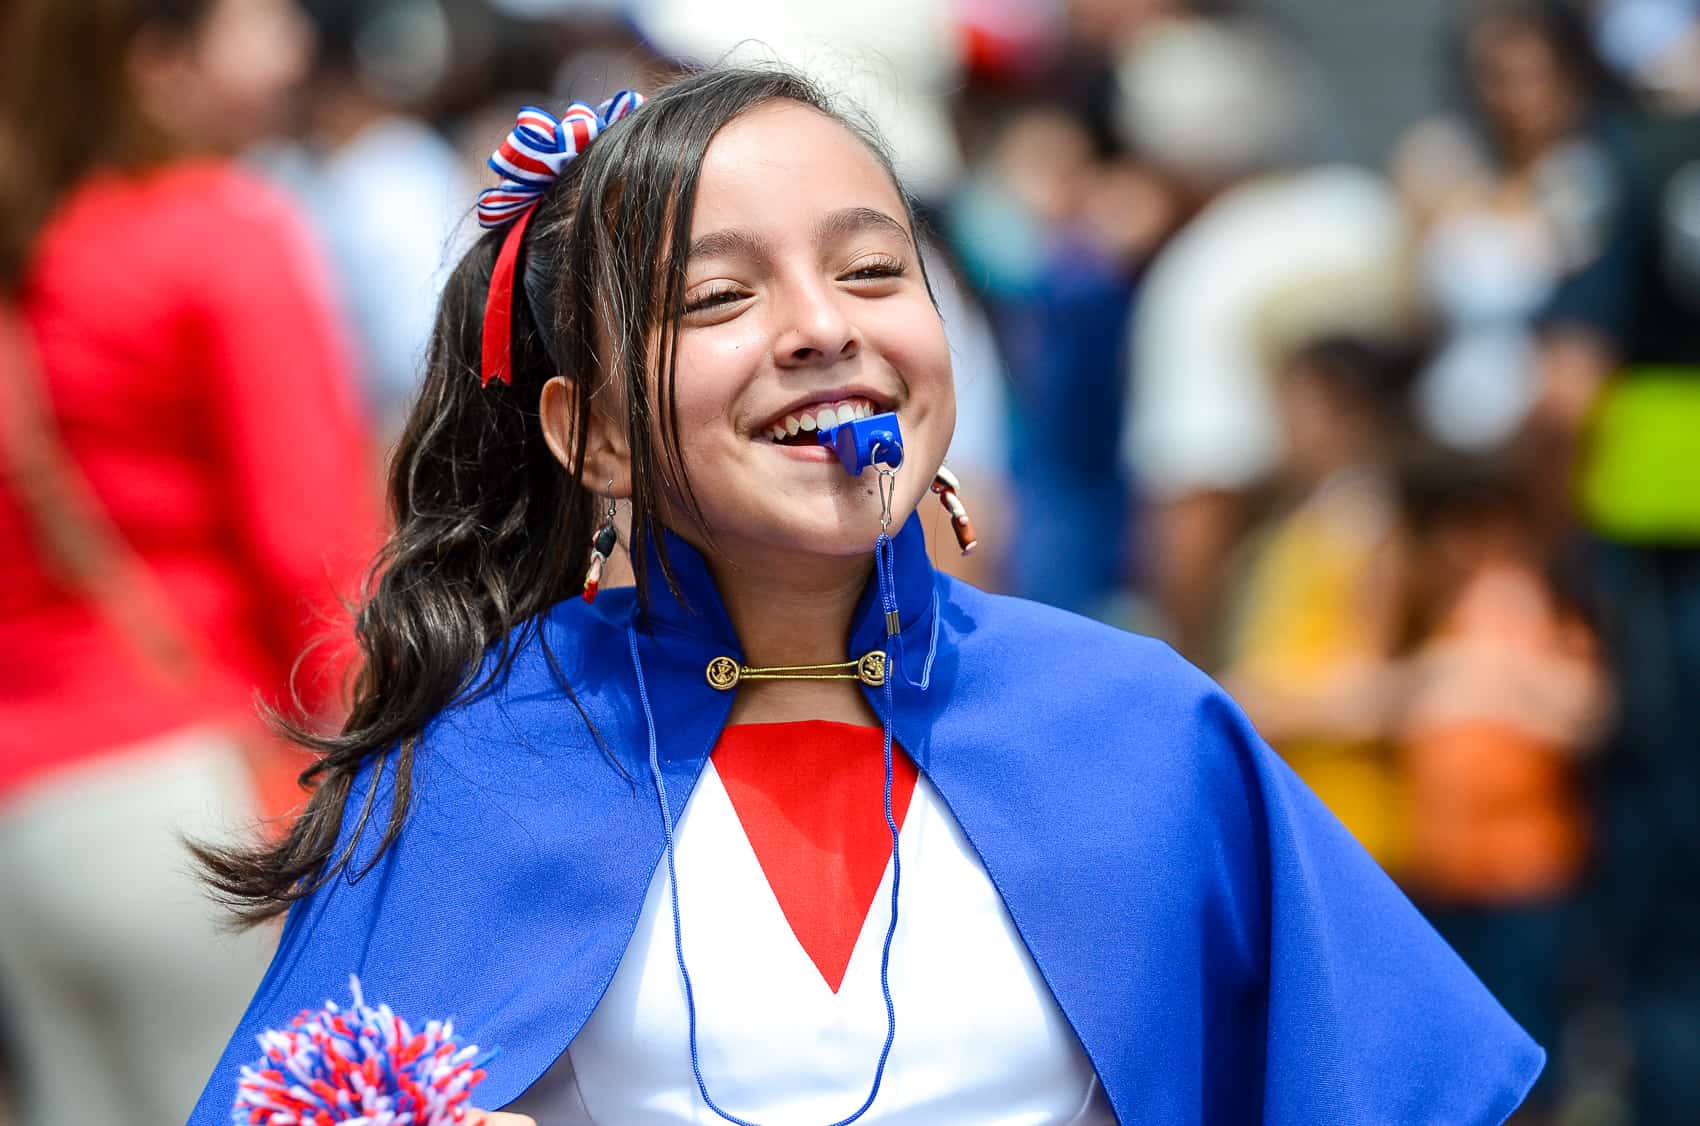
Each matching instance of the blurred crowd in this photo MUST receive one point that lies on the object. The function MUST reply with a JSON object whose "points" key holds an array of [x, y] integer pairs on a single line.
{"points": [[1400, 440]]}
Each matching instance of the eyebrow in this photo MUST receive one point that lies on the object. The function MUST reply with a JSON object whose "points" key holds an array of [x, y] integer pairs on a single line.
{"points": [[741, 242], [730, 242], [854, 220]]}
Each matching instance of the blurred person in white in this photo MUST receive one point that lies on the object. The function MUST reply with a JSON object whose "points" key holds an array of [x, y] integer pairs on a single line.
{"points": [[898, 60], [174, 399], [1221, 108], [1492, 197], [387, 191]]}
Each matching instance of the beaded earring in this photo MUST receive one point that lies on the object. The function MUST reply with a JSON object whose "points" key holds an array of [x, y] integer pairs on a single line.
{"points": [[600, 551], [947, 486]]}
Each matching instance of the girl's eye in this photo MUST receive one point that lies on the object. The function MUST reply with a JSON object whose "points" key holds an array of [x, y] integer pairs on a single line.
{"points": [[877, 269], [712, 299]]}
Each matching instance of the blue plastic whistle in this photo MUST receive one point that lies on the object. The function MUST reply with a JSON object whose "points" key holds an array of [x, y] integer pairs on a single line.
{"points": [[861, 442]]}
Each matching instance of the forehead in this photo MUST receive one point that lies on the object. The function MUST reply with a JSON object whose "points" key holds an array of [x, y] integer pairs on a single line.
{"points": [[783, 165]]}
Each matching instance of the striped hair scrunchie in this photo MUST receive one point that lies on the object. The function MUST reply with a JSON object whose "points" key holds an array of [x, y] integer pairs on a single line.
{"points": [[538, 148], [528, 161]]}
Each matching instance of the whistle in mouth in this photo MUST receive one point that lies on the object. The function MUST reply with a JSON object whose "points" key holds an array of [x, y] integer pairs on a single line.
{"points": [[861, 442]]}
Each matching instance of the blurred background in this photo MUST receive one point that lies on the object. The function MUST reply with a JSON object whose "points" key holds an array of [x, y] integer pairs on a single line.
{"points": [[1352, 348]]}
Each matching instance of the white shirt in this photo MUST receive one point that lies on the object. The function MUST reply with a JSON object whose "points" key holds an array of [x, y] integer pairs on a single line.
{"points": [[979, 1037]]}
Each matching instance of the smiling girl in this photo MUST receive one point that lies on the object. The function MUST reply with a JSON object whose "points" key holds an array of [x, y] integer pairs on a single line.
{"points": [[689, 852]]}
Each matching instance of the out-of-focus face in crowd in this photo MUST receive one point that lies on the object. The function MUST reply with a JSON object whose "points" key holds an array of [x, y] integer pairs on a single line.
{"points": [[90, 84], [1528, 94], [226, 81]]}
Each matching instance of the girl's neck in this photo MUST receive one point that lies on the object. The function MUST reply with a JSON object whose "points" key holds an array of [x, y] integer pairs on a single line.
{"points": [[795, 612], [792, 612]]}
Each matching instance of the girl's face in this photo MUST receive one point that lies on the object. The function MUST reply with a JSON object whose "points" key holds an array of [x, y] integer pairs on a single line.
{"points": [[804, 303]]}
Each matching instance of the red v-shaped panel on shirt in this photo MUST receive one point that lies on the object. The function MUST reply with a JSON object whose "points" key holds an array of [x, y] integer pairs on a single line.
{"points": [[810, 796]]}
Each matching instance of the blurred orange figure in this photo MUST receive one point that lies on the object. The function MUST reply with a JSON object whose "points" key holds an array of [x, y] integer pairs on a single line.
{"points": [[1506, 693]]}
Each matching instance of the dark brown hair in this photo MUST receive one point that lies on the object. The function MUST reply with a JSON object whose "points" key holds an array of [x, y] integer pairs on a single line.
{"points": [[490, 529], [65, 103]]}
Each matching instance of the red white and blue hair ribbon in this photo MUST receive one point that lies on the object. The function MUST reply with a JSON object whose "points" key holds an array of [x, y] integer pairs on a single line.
{"points": [[529, 161], [360, 1065]]}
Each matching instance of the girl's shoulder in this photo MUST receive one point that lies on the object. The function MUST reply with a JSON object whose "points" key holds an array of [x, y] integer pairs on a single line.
{"points": [[1049, 695], [1035, 647], [532, 680]]}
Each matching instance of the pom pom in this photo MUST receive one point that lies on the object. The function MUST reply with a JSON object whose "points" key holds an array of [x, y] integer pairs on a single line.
{"points": [[358, 1067]]}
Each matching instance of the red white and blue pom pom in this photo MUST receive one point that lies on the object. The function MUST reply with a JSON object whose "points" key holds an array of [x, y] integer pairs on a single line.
{"points": [[358, 1067]]}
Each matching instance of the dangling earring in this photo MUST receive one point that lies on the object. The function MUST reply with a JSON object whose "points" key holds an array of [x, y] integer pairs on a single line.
{"points": [[601, 548], [946, 486]]}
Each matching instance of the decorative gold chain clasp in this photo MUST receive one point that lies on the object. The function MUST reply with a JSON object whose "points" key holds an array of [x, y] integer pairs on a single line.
{"points": [[725, 674]]}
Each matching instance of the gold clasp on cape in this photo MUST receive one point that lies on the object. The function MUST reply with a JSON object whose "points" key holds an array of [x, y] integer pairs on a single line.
{"points": [[725, 674]]}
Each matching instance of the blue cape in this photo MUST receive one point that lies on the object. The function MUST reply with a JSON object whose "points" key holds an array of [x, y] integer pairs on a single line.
{"points": [[1224, 950]]}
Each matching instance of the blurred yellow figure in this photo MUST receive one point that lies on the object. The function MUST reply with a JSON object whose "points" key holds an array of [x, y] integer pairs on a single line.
{"points": [[1308, 659], [1312, 627]]}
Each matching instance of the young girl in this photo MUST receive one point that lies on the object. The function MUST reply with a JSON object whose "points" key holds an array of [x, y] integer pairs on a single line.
{"points": [[646, 845]]}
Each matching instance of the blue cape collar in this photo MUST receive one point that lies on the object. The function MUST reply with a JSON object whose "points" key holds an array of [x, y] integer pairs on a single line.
{"points": [[680, 633]]}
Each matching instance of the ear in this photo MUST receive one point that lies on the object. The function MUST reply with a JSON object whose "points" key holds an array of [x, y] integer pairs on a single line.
{"points": [[607, 454]]}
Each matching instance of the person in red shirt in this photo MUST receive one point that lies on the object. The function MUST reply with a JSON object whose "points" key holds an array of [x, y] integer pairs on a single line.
{"points": [[170, 325]]}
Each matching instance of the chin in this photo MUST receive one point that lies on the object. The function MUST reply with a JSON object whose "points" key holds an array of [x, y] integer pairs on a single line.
{"points": [[831, 538], [834, 517], [823, 529]]}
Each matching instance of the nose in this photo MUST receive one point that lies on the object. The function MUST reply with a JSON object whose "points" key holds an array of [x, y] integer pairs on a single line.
{"points": [[816, 329]]}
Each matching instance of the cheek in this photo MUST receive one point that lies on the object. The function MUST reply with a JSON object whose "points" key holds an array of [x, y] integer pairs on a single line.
{"points": [[712, 374], [916, 346], [708, 375], [907, 332]]}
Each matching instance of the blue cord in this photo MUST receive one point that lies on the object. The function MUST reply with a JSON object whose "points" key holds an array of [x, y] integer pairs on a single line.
{"points": [[883, 565]]}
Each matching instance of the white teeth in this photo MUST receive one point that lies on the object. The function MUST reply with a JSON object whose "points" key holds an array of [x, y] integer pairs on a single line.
{"points": [[821, 418]]}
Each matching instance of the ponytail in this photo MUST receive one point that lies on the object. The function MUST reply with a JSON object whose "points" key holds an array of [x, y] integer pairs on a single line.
{"points": [[488, 530]]}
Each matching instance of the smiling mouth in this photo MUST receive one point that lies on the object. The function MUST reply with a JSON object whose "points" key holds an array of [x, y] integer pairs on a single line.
{"points": [[800, 427]]}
